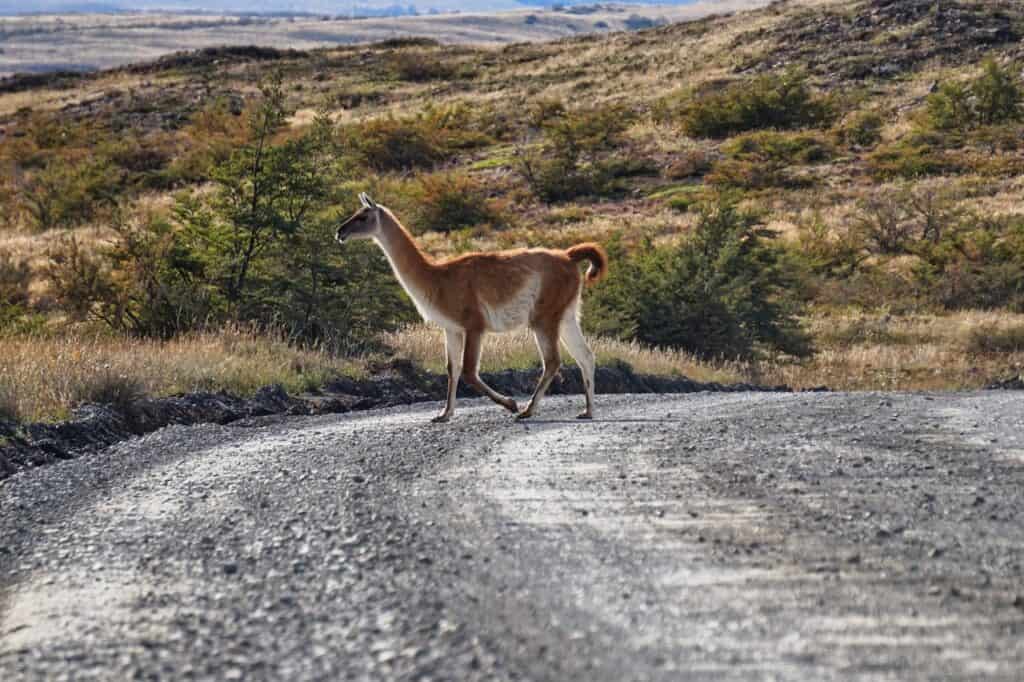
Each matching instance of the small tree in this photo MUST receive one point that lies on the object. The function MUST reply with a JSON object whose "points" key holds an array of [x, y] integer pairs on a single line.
{"points": [[991, 99], [723, 292], [264, 194]]}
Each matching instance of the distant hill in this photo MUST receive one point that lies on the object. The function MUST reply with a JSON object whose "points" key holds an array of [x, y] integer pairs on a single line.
{"points": [[39, 44], [297, 7]]}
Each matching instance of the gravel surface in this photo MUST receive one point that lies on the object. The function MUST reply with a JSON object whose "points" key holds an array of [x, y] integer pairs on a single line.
{"points": [[705, 536]]}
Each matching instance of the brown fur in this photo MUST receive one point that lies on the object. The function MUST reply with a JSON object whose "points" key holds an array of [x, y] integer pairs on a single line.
{"points": [[597, 256]]}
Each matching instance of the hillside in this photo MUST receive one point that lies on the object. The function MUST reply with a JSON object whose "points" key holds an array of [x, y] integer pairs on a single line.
{"points": [[877, 141]]}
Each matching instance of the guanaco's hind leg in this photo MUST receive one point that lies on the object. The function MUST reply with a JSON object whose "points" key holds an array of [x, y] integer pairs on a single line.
{"points": [[576, 344], [471, 371], [454, 341], [547, 344]]}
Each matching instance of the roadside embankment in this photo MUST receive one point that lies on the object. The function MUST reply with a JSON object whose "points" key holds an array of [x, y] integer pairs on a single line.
{"points": [[397, 383]]}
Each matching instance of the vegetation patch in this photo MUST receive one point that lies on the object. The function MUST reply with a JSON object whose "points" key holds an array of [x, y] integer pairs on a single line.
{"points": [[723, 292], [782, 102]]}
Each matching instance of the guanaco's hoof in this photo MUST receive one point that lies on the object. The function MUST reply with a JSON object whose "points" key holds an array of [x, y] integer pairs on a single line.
{"points": [[525, 414], [441, 418], [585, 415], [512, 407]]}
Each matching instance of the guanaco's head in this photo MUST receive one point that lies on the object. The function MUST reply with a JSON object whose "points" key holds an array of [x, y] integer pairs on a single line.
{"points": [[364, 223]]}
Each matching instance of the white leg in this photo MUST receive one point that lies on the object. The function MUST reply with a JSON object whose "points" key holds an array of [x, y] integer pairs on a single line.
{"points": [[471, 371], [576, 344], [547, 344], [453, 347]]}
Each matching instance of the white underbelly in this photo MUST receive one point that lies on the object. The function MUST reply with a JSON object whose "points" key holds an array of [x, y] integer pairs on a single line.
{"points": [[432, 314], [514, 312]]}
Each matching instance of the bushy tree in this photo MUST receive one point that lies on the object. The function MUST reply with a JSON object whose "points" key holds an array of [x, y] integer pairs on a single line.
{"points": [[263, 191], [258, 248], [992, 98], [977, 263], [265, 236], [724, 291]]}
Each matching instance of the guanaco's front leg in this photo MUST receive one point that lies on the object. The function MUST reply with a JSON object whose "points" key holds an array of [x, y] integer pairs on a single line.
{"points": [[454, 341]]}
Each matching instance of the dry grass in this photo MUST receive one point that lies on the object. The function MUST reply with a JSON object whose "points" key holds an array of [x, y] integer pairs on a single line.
{"points": [[45, 378], [855, 353], [922, 352], [424, 345], [34, 248]]}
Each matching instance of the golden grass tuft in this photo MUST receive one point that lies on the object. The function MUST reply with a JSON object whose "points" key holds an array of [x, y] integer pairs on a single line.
{"points": [[44, 378]]}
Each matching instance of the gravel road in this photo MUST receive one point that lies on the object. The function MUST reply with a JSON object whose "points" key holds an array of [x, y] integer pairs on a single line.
{"points": [[706, 537]]}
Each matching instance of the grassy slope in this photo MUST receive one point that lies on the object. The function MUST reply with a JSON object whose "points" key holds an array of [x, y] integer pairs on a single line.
{"points": [[859, 348]]}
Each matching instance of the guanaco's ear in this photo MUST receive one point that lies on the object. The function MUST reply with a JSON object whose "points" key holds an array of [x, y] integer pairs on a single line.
{"points": [[366, 200]]}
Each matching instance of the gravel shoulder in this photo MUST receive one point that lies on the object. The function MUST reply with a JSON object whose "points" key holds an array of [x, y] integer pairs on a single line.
{"points": [[703, 536]]}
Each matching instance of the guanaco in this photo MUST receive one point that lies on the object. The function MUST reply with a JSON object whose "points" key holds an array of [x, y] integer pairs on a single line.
{"points": [[476, 293]]}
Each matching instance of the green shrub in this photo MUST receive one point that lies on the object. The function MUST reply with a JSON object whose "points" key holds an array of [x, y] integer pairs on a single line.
{"points": [[786, 148], [391, 144], [950, 108], [14, 280], [862, 129], [751, 175], [684, 198], [418, 66], [723, 292], [263, 239], [422, 141], [991, 99], [782, 102], [14, 293], [688, 164], [915, 156], [65, 193], [764, 159], [576, 156], [450, 201], [145, 282], [826, 252], [979, 264]]}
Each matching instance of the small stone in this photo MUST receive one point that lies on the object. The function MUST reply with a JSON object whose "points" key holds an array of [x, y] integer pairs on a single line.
{"points": [[230, 568]]}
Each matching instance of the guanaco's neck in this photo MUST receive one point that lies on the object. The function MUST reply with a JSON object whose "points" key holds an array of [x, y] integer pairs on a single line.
{"points": [[412, 266]]}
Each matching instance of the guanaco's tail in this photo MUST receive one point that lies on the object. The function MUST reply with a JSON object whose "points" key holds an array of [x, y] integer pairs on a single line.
{"points": [[597, 257]]}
